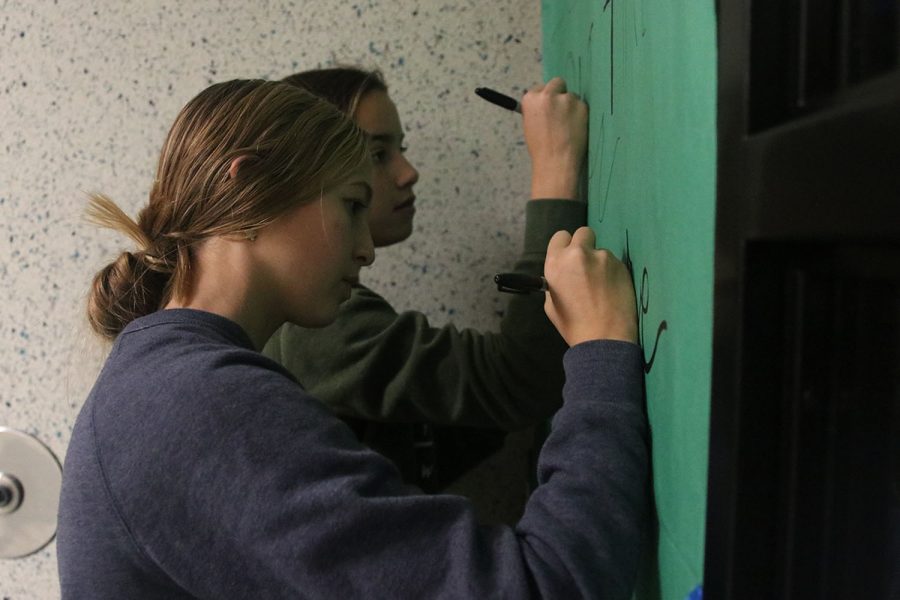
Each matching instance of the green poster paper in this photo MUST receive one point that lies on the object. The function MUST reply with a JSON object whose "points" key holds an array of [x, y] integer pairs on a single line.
{"points": [[647, 69]]}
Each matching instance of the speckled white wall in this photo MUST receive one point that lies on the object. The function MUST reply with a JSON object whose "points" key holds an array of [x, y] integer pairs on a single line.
{"points": [[89, 89]]}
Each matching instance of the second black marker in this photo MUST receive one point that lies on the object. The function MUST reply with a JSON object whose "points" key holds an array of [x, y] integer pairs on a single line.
{"points": [[520, 283]]}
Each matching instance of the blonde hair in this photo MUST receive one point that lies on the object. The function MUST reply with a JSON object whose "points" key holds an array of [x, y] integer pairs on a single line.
{"points": [[293, 145]]}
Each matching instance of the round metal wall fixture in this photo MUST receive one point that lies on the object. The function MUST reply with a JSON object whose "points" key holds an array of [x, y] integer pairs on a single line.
{"points": [[30, 479]]}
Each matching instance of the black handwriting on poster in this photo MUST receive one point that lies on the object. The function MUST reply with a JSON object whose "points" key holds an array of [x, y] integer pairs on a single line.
{"points": [[596, 156], [612, 63], [644, 306]]}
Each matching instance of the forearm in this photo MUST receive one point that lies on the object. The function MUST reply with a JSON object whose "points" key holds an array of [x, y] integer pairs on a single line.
{"points": [[509, 380], [593, 474], [579, 537]]}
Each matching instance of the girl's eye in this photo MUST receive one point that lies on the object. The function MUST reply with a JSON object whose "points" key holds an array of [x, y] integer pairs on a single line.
{"points": [[379, 156], [403, 149]]}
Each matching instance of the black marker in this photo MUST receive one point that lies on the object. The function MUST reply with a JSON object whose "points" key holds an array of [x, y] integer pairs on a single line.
{"points": [[519, 283], [499, 99]]}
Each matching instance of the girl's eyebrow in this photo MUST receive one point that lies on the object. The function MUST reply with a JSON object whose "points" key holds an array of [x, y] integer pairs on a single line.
{"points": [[386, 138]]}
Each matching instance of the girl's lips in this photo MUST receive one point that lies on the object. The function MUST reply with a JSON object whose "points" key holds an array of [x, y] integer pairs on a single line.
{"points": [[408, 204]]}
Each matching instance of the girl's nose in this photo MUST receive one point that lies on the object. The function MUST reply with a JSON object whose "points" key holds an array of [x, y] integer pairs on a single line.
{"points": [[365, 247], [407, 174]]}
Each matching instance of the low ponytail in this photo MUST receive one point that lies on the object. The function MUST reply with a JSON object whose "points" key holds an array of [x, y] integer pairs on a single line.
{"points": [[133, 285]]}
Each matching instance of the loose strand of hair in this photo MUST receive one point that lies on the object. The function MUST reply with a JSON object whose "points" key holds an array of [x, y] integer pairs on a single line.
{"points": [[104, 212]]}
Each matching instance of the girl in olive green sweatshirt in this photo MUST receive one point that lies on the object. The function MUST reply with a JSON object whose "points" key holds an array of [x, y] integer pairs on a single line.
{"points": [[435, 400]]}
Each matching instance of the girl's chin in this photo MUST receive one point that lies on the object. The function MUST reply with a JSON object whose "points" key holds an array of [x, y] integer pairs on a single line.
{"points": [[395, 234]]}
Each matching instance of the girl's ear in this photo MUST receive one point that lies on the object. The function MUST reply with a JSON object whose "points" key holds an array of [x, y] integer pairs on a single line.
{"points": [[235, 164]]}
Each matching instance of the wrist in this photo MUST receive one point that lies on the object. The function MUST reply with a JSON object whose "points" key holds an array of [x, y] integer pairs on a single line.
{"points": [[558, 185], [619, 332]]}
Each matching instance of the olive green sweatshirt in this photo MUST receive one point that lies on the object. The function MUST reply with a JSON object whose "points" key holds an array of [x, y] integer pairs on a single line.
{"points": [[374, 366]]}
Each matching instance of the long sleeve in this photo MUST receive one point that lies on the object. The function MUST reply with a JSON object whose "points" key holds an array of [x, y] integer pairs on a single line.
{"points": [[377, 364], [229, 481]]}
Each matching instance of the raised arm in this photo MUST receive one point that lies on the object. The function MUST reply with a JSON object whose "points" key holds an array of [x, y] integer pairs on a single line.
{"points": [[331, 519], [378, 364]]}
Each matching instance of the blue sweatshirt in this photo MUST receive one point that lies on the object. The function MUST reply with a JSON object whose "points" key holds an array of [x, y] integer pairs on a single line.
{"points": [[198, 468]]}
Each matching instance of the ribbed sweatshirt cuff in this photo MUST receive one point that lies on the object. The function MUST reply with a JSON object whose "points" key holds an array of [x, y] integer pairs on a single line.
{"points": [[545, 217]]}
